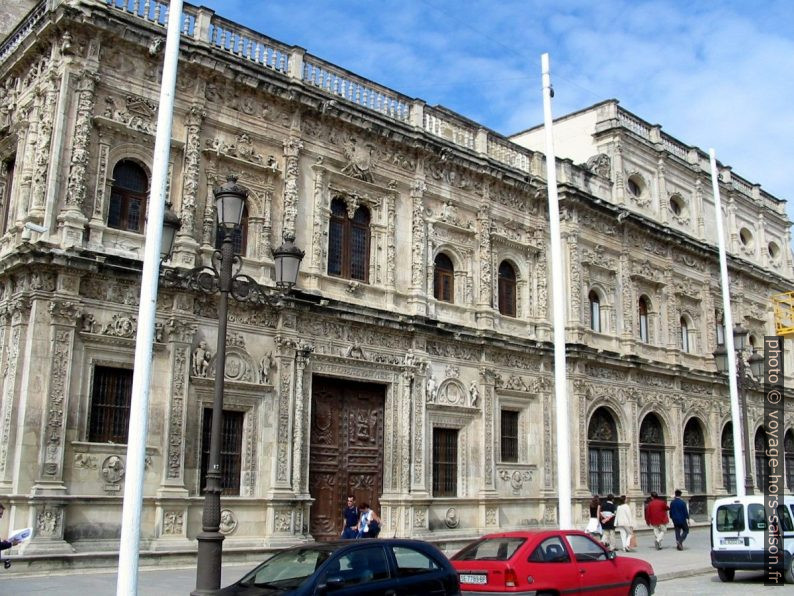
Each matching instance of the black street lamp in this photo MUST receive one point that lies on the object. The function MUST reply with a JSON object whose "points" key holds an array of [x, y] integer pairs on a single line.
{"points": [[756, 363], [221, 279]]}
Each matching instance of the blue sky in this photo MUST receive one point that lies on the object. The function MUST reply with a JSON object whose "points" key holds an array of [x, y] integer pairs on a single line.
{"points": [[713, 74]]}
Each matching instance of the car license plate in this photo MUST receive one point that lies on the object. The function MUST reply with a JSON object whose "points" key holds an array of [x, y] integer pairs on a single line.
{"points": [[471, 578], [731, 540]]}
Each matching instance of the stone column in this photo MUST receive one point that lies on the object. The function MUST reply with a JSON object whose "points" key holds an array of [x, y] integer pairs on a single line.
{"points": [[418, 431], [321, 213], [285, 360], [186, 246], [97, 224], [71, 219], [488, 388]]}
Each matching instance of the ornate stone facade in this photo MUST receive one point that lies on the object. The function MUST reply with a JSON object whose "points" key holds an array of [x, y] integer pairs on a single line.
{"points": [[429, 184]]}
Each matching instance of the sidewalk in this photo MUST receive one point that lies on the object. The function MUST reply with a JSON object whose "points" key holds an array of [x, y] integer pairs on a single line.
{"points": [[668, 563]]}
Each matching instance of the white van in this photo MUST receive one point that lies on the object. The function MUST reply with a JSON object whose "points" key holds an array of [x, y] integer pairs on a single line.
{"points": [[737, 535]]}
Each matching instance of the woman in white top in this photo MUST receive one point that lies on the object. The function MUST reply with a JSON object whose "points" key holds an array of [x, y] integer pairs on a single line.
{"points": [[624, 521], [365, 522]]}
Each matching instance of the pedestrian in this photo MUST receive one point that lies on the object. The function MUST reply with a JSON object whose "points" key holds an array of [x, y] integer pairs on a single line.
{"points": [[4, 544], [624, 522], [656, 517], [680, 516], [607, 517], [368, 522], [350, 517], [594, 525]]}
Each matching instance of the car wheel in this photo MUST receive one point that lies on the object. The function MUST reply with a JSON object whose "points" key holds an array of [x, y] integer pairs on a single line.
{"points": [[789, 575], [726, 575], [639, 587]]}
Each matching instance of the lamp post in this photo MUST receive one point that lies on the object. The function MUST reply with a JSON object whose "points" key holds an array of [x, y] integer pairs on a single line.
{"points": [[221, 278], [756, 363]]}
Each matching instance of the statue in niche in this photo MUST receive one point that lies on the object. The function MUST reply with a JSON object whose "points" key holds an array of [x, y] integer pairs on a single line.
{"points": [[359, 159], [474, 394], [449, 213], [431, 389], [201, 360], [265, 366]]}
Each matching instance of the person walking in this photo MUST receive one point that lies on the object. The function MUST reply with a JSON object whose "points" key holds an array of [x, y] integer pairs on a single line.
{"points": [[4, 544], [624, 522], [368, 522], [350, 517], [656, 517], [679, 513], [594, 524], [607, 516]]}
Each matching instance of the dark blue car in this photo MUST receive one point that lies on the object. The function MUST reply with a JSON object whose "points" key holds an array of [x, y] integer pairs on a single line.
{"points": [[389, 567]]}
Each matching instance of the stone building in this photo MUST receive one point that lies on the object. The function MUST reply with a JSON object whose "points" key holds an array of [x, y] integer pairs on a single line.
{"points": [[412, 365]]}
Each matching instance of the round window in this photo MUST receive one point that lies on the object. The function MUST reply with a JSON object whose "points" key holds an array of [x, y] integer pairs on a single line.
{"points": [[774, 250], [635, 186], [677, 205], [746, 236]]}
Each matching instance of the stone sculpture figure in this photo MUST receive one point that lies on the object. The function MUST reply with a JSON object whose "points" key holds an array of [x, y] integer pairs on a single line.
{"points": [[474, 394], [431, 389], [201, 360]]}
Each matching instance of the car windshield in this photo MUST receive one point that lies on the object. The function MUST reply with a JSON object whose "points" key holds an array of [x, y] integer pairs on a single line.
{"points": [[490, 549], [288, 569]]}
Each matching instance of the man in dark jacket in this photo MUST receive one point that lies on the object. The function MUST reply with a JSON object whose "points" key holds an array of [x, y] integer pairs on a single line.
{"points": [[350, 516], [608, 510], [680, 516]]}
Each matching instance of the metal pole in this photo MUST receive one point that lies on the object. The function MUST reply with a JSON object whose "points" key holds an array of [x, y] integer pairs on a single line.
{"points": [[560, 382], [127, 580], [208, 563], [727, 319], [742, 385]]}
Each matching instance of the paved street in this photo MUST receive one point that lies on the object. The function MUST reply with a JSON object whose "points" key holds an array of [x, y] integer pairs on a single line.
{"points": [[679, 572]]}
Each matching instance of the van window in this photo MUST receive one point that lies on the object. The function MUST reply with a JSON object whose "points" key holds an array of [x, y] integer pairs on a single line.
{"points": [[730, 518], [757, 521], [785, 518]]}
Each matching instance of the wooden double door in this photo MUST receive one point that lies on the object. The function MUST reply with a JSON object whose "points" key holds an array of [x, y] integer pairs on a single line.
{"points": [[346, 450]]}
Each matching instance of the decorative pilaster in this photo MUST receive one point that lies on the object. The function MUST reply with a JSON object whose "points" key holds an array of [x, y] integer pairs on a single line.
{"points": [[418, 245], [292, 148], [208, 223], [43, 147], [418, 401], [485, 257], [285, 359], [321, 216], [488, 385], [300, 444], [186, 244], [18, 312], [97, 223], [46, 517], [180, 339], [64, 315], [71, 218]]}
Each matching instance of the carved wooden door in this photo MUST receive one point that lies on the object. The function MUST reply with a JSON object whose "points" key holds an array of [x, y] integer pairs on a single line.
{"points": [[346, 451]]}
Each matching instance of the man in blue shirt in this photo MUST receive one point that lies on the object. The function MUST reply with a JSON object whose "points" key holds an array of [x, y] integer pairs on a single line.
{"points": [[680, 516], [350, 515]]}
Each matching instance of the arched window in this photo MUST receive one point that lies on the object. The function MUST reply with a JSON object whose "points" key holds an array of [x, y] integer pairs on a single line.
{"points": [[239, 235], [127, 208], [652, 455], [643, 312], [602, 449], [728, 461], [760, 445], [595, 311], [788, 451], [694, 458], [348, 242], [507, 289], [684, 335], [444, 279]]}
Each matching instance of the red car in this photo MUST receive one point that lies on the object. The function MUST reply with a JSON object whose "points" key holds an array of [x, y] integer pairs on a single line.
{"points": [[546, 563]]}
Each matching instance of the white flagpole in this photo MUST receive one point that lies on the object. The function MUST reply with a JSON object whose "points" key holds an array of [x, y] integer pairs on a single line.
{"points": [[127, 581], [727, 317], [558, 293]]}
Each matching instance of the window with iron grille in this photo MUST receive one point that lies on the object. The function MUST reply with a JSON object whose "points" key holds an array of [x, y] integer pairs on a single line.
{"points": [[728, 462], [231, 450], [652, 455], [239, 235], [507, 289], [443, 279], [694, 458], [127, 208], [602, 448], [760, 445], [348, 242], [109, 417], [509, 436], [445, 462]]}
